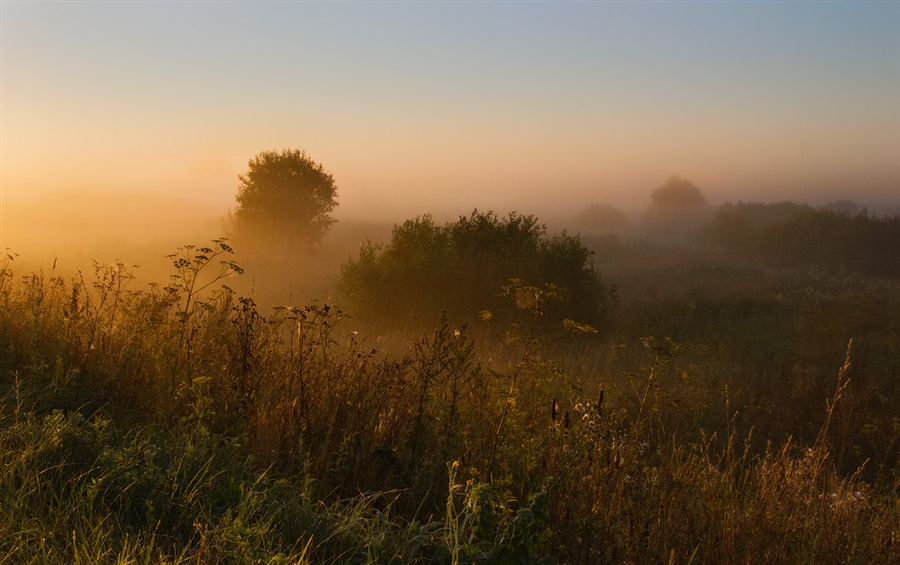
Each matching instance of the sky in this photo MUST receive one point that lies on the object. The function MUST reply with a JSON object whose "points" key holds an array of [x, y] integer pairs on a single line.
{"points": [[447, 106]]}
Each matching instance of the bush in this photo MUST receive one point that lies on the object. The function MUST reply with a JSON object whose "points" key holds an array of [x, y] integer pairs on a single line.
{"points": [[733, 225], [789, 234], [861, 243], [462, 266]]}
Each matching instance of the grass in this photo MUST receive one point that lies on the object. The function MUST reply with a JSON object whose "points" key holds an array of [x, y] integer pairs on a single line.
{"points": [[169, 425]]}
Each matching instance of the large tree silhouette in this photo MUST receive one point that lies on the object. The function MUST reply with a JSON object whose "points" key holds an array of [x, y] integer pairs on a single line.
{"points": [[284, 199]]}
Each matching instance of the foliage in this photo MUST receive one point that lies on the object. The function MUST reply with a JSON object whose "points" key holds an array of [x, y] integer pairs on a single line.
{"points": [[285, 438], [285, 198], [734, 224], [858, 243], [601, 219], [461, 266], [678, 192], [848, 207], [787, 234], [678, 208]]}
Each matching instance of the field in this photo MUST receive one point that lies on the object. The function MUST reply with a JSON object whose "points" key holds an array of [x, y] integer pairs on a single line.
{"points": [[727, 408]]}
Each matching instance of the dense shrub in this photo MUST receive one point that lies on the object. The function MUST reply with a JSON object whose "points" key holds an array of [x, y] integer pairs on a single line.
{"points": [[860, 243], [734, 224], [462, 266], [789, 234]]}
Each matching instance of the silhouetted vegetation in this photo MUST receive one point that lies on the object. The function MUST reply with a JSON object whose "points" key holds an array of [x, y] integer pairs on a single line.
{"points": [[788, 234], [723, 413], [735, 225], [600, 220], [678, 209], [860, 243], [462, 266], [284, 200], [848, 207]]}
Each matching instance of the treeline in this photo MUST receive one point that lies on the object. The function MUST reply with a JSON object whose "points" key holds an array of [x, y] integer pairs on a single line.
{"points": [[789, 234], [839, 235]]}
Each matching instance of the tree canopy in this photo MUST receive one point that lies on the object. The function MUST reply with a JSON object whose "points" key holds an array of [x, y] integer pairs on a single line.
{"points": [[285, 198], [678, 191], [678, 209], [601, 219]]}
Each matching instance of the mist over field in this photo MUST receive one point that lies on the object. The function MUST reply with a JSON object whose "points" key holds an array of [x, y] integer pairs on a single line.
{"points": [[73, 229], [452, 283]]}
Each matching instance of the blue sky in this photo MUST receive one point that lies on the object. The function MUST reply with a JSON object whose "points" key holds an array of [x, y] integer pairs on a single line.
{"points": [[419, 106]]}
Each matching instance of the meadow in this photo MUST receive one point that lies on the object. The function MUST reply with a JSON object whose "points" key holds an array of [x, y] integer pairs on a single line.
{"points": [[724, 403]]}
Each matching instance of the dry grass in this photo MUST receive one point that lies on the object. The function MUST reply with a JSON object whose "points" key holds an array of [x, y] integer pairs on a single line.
{"points": [[171, 426]]}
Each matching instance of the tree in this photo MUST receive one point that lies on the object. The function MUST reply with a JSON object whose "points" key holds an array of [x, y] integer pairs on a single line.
{"points": [[601, 219], [678, 209], [285, 198], [678, 192], [848, 207], [736, 225]]}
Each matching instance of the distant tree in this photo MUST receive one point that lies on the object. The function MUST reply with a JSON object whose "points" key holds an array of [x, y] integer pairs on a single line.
{"points": [[601, 219], [285, 198], [860, 244], [678, 192], [735, 225], [848, 207], [790, 234], [678, 209]]}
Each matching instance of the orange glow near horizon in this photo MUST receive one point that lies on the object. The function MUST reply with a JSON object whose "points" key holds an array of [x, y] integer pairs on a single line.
{"points": [[539, 108]]}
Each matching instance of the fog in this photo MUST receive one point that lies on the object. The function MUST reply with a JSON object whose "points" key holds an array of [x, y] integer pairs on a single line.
{"points": [[73, 228], [79, 226], [125, 126]]}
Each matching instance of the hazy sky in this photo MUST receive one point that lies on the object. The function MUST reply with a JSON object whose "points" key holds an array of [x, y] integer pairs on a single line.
{"points": [[418, 106]]}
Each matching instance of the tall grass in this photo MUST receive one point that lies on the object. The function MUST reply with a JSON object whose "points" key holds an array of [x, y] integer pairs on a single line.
{"points": [[170, 425]]}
